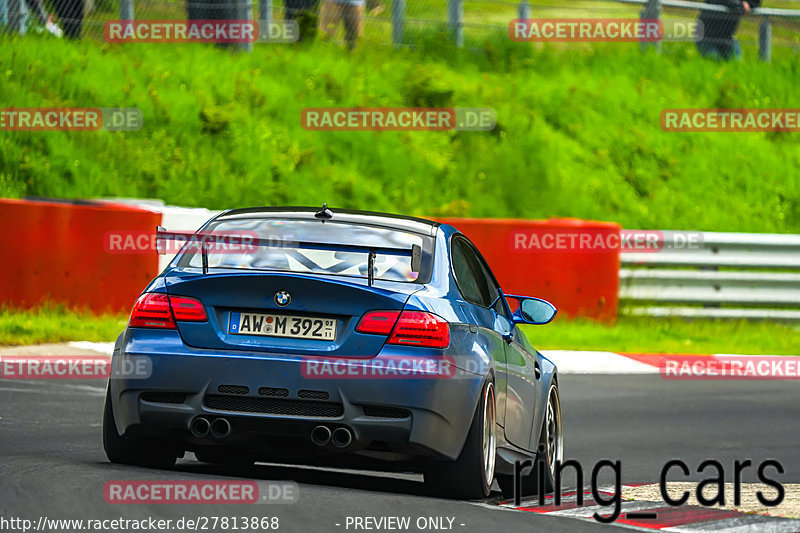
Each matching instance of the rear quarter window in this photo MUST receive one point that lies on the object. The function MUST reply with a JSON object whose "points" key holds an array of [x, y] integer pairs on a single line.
{"points": [[463, 271]]}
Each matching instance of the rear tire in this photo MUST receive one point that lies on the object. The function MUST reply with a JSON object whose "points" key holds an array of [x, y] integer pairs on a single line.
{"points": [[549, 450], [137, 452], [471, 475]]}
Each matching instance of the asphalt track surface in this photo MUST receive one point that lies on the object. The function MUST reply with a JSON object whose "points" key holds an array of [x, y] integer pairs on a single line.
{"points": [[52, 462]]}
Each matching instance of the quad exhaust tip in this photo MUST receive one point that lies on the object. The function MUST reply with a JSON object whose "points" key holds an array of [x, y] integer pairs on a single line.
{"points": [[220, 428], [321, 435], [200, 426], [342, 437]]}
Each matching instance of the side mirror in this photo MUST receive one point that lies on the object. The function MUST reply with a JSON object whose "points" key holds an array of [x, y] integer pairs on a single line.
{"points": [[533, 310]]}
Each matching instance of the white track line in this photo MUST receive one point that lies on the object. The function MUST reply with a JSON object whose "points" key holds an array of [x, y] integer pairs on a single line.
{"points": [[105, 348], [582, 362], [588, 512]]}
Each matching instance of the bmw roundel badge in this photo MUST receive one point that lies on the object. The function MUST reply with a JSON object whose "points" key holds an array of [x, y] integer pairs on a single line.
{"points": [[282, 298]]}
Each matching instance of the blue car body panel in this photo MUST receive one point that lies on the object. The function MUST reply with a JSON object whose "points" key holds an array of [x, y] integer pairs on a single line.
{"points": [[198, 359]]}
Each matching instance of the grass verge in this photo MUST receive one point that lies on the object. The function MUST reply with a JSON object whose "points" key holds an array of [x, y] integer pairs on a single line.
{"points": [[53, 323], [578, 130]]}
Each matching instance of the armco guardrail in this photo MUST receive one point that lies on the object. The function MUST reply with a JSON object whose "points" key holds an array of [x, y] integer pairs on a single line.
{"points": [[730, 275]]}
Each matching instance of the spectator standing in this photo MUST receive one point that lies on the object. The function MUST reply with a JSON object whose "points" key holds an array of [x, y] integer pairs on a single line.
{"points": [[718, 40], [15, 14], [293, 8], [350, 12], [306, 14], [46, 20], [374, 7], [70, 14], [197, 10]]}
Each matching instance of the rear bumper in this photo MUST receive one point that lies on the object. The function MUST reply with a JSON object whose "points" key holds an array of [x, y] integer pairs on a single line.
{"points": [[270, 403]]}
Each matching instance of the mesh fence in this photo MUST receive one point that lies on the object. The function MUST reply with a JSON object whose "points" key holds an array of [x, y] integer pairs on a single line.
{"points": [[392, 22]]}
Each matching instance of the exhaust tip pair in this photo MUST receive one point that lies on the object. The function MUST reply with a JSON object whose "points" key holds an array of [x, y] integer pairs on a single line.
{"points": [[219, 428], [339, 437]]}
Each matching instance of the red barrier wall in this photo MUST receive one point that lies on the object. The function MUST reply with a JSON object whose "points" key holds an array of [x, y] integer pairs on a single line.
{"points": [[547, 259], [56, 251]]}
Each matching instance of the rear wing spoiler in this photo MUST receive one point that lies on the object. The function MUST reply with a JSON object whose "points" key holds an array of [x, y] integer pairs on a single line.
{"points": [[203, 241]]}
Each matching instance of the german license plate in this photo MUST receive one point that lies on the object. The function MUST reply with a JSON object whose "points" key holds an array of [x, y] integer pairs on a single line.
{"points": [[296, 327]]}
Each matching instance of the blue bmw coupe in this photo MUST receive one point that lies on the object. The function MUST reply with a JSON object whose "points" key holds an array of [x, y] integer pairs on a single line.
{"points": [[342, 338]]}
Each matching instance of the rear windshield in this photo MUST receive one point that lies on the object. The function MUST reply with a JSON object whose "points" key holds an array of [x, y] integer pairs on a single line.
{"points": [[313, 247]]}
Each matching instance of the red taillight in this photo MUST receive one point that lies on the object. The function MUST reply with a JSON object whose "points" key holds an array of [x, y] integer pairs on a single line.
{"points": [[187, 309], [152, 310], [411, 328], [377, 322], [155, 310], [417, 328]]}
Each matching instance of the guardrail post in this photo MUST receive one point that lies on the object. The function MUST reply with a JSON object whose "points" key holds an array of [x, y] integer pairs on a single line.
{"points": [[524, 10], [265, 12], [244, 11], [126, 10], [765, 40], [398, 21], [651, 11], [455, 14]]}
